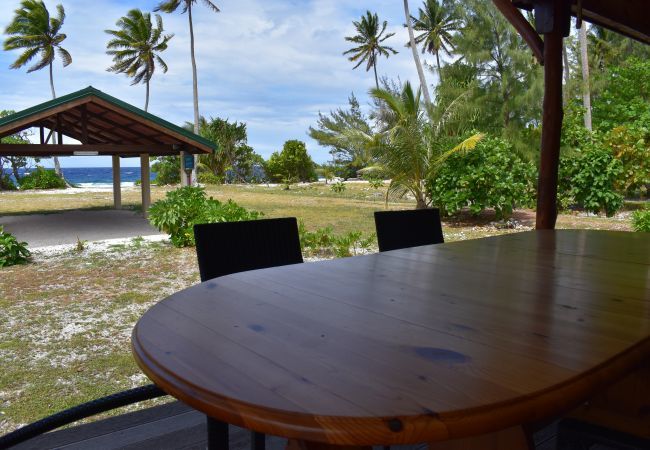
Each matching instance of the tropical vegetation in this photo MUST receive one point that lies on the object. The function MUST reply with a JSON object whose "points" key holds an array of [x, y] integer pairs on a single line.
{"points": [[12, 251], [136, 47], [34, 31]]}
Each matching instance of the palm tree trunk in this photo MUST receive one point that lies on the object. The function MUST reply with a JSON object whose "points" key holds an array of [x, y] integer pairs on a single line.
{"points": [[195, 84], [57, 165], [567, 74], [374, 66], [438, 64], [146, 102], [416, 57], [584, 60]]}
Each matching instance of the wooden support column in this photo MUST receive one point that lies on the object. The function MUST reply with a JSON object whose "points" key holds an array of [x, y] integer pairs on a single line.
{"points": [[146, 184], [184, 179], [117, 185], [41, 133], [553, 18]]}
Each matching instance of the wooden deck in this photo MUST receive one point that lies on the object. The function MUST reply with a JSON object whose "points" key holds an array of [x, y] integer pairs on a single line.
{"points": [[174, 426]]}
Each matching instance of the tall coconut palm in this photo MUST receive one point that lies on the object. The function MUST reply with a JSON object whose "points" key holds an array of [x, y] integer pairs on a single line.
{"points": [[37, 33], [170, 6], [584, 63], [415, 141], [136, 47], [416, 58], [370, 38], [436, 23]]}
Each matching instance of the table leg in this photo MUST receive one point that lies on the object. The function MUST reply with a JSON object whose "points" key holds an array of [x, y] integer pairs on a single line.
{"points": [[217, 434]]}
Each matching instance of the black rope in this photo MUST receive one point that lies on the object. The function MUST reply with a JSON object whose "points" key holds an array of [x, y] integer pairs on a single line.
{"points": [[79, 412]]}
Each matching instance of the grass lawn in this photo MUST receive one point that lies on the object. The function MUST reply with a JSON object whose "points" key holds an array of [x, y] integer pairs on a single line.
{"points": [[66, 320]]}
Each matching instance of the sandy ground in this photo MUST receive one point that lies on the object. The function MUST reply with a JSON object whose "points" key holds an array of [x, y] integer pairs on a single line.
{"points": [[68, 227]]}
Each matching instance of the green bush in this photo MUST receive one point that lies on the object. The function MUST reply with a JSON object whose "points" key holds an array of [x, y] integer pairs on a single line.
{"points": [[338, 187], [167, 170], [182, 208], [6, 184], [641, 219], [293, 162], [41, 178], [587, 179], [324, 243], [489, 176], [11, 251], [206, 177]]}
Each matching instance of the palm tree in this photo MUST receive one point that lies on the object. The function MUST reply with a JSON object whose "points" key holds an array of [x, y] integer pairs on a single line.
{"points": [[415, 141], [370, 39], [34, 31], [584, 63], [436, 23], [136, 47], [416, 58]]}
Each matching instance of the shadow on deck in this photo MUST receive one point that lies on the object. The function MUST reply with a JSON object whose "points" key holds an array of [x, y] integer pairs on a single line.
{"points": [[173, 426]]}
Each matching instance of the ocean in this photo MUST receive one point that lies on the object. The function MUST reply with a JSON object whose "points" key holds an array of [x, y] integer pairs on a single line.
{"points": [[96, 176]]}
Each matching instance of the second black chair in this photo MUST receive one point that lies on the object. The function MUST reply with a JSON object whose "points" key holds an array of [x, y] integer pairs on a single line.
{"points": [[409, 228], [230, 247]]}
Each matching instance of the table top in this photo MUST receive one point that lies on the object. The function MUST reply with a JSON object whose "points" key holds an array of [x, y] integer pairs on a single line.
{"points": [[420, 344]]}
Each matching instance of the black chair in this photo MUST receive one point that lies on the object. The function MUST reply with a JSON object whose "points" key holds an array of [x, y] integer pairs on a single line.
{"points": [[79, 412], [409, 228], [230, 247]]}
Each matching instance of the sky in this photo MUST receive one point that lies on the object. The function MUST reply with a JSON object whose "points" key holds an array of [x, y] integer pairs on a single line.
{"points": [[271, 64]]}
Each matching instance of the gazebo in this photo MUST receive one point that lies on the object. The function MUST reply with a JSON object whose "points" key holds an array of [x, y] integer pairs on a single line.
{"points": [[103, 125]]}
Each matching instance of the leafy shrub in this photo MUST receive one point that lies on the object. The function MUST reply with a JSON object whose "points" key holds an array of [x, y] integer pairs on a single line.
{"points": [[489, 176], [338, 187], [6, 184], [41, 178], [293, 162], [324, 243], [641, 220], [167, 170], [631, 145], [587, 180], [11, 251], [182, 208], [373, 180], [206, 177]]}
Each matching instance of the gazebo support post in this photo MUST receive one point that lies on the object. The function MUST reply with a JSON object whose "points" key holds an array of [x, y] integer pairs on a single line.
{"points": [[552, 18], [145, 183], [551, 131], [117, 185], [184, 178]]}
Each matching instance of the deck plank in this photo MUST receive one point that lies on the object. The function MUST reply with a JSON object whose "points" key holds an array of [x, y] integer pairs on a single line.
{"points": [[175, 426]]}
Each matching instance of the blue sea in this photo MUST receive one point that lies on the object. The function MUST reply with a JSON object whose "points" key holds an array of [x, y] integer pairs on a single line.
{"points": [[96, 176]]}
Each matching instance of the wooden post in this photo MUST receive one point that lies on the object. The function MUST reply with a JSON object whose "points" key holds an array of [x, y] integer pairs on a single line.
{"points": [[117, 186], [145, 183], [552, 115], [184, 178], [41, 133]]}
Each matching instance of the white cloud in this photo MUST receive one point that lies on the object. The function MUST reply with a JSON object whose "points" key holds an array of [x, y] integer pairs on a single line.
{"points": [[273, 65]]}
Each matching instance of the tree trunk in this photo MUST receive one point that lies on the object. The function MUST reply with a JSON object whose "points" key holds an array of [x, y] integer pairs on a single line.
{"points": [[416, 57], [584, 62], [146, 102], [195, 86], [57, 166], [438, 64], [420, 203], [374, 66], [567, 74]]}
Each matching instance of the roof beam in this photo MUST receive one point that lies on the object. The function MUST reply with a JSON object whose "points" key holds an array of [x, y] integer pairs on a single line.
{"points": [[523, 27]]}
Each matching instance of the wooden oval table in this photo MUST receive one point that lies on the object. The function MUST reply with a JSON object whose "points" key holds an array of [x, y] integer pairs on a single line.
{"points": [[478, 338]]}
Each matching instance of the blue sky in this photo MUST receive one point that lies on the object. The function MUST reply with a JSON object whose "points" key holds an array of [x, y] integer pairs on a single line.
{"points": [[271, 64]]}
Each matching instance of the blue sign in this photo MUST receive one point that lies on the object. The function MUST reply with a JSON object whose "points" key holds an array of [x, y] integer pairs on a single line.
{"points": [[188, 162]]}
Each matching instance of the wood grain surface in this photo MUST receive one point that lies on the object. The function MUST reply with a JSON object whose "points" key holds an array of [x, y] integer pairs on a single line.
{"points": [[422, 344]]}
